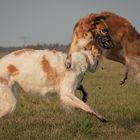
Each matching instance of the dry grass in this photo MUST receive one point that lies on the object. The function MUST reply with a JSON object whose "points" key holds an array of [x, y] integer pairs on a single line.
{"points": [[37, 118]]}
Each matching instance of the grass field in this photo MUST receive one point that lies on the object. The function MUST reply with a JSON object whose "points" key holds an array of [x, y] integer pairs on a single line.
{"points": [[42, 118]]}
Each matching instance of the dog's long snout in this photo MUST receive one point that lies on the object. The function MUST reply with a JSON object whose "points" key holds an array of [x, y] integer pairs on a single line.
{"points": [[68, 62]]}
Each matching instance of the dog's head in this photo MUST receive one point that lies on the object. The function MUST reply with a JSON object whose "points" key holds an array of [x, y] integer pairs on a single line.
{"points": [[90, 33], [84, 61], [100, 32]]}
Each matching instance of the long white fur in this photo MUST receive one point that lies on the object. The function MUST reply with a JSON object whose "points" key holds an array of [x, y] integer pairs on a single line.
{"points": [[32, 78]]}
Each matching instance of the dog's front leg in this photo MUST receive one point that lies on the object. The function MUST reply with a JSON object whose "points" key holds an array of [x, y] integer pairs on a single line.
{"points": [[73, 101]]}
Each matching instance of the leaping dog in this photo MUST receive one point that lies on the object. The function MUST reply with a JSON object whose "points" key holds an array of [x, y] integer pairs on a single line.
{"points": [[126, 40]]}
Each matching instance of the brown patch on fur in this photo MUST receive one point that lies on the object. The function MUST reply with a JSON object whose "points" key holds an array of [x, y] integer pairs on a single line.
{"points": [[12, 70], [3, 80], [52, 74], [23, 51]]}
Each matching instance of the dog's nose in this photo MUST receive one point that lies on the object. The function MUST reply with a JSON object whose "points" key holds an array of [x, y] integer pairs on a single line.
{"points": [[67, 65]]}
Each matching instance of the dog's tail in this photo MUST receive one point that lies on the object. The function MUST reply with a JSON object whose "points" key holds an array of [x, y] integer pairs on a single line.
{"points": [[7, 98]]}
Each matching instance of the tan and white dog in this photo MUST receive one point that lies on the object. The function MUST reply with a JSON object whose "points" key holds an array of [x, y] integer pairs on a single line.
{"points": [[43, 72], [125, 37]]}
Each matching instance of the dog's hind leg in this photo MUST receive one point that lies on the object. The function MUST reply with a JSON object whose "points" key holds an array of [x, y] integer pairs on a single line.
{"points": [[73, 101], [84, 92], [125, 75], [7, 99]]}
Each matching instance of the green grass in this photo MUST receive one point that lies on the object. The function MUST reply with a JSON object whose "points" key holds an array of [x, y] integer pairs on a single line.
{"points": [[39, 118]]}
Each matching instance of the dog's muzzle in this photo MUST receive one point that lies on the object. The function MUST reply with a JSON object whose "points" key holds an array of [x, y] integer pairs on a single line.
{"points": [[104, 41]]}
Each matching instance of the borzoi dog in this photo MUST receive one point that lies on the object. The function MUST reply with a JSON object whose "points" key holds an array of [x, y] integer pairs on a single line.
{"points": [[43, 72], [124, 36]]}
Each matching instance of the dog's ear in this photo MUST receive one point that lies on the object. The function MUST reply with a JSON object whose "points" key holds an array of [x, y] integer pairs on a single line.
{"points": [[98, 19]]}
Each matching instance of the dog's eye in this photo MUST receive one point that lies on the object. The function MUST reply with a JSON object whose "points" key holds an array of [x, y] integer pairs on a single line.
{"points": [[85, 48], [104, 30], [85, 34]]}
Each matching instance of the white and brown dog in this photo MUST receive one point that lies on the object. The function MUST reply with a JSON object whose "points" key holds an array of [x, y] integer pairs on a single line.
{"points": [[125, 37], [43, 72]]}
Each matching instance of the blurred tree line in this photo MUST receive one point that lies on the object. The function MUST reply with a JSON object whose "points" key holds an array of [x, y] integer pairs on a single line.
{"points": [[55, 46]]}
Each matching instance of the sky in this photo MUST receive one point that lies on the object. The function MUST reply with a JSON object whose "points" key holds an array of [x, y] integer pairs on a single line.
{"points": [[24, 22]]}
